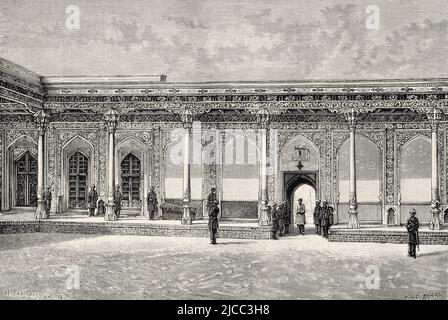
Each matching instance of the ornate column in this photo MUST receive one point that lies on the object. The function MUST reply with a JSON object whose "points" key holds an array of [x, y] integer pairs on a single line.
{"points": [[111, 118], [263, 118], [353, 222], [187, 122], [435, 222], [42, 119]]}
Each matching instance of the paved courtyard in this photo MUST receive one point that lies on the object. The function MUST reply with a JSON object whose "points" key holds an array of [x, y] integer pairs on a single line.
{"points": [[68, 266]]}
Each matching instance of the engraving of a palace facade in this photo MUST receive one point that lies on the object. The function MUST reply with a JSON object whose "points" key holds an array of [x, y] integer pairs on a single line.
{"points": [[371, 149]]}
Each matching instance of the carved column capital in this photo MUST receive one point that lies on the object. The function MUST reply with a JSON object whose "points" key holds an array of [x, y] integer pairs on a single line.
{"points": [[434, 117], [42, 119], [111, 118], [350, 116], [187, 118], [263, 118]]}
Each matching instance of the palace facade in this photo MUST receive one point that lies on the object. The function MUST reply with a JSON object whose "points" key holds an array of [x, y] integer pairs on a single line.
{"points": [[373, 149]]}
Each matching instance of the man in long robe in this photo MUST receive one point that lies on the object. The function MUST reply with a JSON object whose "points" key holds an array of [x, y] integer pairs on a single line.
{"points": [[412, 226], [316, 216], [92, 198], [300, 217], [152, 203]]}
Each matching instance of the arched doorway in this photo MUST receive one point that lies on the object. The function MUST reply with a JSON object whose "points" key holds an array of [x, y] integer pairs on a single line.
{"points": [[307, 193], [77, 180], [26, 185], [130, 181], [301, 185]]}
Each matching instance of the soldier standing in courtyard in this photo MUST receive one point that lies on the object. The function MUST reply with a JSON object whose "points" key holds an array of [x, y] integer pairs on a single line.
{"points": [[323, 219], [274, 221], [92, 198], [213, 223], [413, 241], [118, 197], [300, 217], [152, 203], [316, 216], [47, 199], [212, 200], [287, 219]]}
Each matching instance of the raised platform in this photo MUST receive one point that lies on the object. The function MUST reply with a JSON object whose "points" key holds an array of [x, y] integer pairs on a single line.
{"points": [[383, 234], [133, 226]]}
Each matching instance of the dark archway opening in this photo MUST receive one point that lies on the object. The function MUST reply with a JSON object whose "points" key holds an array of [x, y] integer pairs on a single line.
{"points": [[303, 185]]}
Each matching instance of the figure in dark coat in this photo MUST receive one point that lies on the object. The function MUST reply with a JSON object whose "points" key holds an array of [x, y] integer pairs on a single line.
{"points": [[92, 198], [213, 223], [316, 216], [282, 214], [274, 221], [212, 200], [152, 203], [118, 197], [287, 217], [329, 219], [47, 199], [324, 219], [413, 241]]}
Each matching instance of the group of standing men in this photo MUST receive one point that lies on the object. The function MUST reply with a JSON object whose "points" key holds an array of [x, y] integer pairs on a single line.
{"points": [[92, 201], [323, 218], [281, 219]]}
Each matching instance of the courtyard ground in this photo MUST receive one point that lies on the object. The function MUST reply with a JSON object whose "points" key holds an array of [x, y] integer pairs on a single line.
{"points": [[68, 266]]}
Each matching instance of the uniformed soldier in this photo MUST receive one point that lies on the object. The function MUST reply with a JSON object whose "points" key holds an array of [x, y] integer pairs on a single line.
{"points": [[92, 198], [152, 203], [412, 225], [300, 217], [118, 197], [330, 219], [212, 200], [47, 199], [316, 216], [213, 223], [281, 221], [323, 219], [274, 221], [287, 217]]}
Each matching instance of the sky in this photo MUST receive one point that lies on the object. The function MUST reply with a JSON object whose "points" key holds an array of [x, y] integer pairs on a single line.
{"points": [[229, 40]]}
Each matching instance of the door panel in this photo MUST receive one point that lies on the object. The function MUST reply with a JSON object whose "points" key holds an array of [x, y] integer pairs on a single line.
{"points": [[130, 181], [26, 187], [78, 169]]}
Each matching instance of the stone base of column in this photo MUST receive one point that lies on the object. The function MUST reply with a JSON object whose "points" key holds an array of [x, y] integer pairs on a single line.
{"points": [[435, 223], [186, 218], [264, 213], [110, 212], [353, 222], [263, 220], [41, 212]]}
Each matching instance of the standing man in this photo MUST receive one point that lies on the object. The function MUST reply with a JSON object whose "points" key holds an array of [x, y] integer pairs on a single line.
{"points": [[300, 217], [281, 221], [152, 203], [413, 241], [316, 216], [287, 219], [324, 219], [212, 200], [47, 199], [213, 223], [330, 219], [92, 198], [118, 197], [274, 221]]}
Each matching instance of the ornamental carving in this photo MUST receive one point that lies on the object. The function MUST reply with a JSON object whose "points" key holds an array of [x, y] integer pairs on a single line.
{"points": [[12, 135]]}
